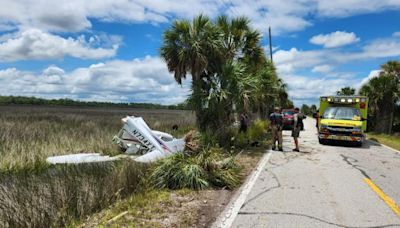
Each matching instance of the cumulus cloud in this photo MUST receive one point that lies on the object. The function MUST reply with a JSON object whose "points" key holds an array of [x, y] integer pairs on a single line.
{"points": [[303, 89], [291, 65], [335, 39], [36, 44], [345, 8], [372, 74], [289, 61], [75, 15], [137, 80], [322, 68]]}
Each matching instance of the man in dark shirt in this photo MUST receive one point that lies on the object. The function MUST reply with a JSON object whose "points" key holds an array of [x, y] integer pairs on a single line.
{"points": [[276, 119], [298, 122]]}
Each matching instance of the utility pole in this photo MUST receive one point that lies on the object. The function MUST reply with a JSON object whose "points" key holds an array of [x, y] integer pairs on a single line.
{"points": [[270, 44]]}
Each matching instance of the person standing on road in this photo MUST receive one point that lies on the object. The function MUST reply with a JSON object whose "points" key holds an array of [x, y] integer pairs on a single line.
{"points": [[316, 116], [276, 119], [297, 123]]}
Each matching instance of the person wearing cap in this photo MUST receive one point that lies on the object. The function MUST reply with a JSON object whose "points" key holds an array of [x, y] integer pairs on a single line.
{"points": [[276, 119], [297, 123]]}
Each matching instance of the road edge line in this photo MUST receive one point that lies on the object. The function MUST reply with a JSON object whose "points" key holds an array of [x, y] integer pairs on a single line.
{"points": [[227, 217], [389, 201], [381, 144]]}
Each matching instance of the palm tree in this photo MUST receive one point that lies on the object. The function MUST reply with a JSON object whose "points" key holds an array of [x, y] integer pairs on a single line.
{"points": [[240, 42], [190, 47], [392, 68], [383, 93], [228, 67]]}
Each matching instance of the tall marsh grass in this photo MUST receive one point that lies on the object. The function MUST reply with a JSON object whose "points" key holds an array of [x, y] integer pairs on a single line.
{"points": [[65, 193], [36, 194], [30, 134]]}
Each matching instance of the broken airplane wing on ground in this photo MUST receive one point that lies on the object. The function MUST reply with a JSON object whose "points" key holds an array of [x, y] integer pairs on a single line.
{"points": [[137, 139]]}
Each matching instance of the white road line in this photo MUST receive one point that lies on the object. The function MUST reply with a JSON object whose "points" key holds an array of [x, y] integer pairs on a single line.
{"points": [[380, 144], [228, 216]]}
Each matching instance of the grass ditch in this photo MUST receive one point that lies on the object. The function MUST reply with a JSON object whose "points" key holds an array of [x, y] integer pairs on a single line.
{"points": [[389, 140], [62, 193]]}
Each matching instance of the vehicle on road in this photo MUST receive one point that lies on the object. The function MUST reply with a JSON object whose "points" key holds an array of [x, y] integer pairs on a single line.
{"points": [[343, 118], [288, 119]]}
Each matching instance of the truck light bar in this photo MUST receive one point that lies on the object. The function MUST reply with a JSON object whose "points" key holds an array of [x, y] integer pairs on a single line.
{"points": [[345, 100]]}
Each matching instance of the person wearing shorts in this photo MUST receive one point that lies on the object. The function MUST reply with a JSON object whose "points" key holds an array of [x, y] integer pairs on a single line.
{"points": [[297, 123]]}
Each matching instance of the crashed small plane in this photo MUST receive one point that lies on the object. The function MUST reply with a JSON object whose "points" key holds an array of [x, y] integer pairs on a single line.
{"points": [[137, 140]]}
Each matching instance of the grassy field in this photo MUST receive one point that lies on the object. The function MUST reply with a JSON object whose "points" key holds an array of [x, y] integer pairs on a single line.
{"points": [[29, 134], [389, 140], [34, 194]]}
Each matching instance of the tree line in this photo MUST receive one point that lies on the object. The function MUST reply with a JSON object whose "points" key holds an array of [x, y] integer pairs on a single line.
{"points": [[21, 100]]}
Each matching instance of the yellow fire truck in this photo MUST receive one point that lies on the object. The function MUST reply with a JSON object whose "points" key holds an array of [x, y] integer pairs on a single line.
{"points": [[343, 118]]}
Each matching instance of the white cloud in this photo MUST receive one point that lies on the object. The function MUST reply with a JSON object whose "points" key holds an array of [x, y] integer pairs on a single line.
{"points": [[291, 65], [288, 61], [345, 8], [75, 15], [138, 80], [292, 60], [335, 39], [36, 44], [396, 34], [303, 89], [322, 68], [372, 74]]}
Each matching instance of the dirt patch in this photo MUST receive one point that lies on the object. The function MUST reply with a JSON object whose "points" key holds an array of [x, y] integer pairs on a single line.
{"points": [[201, 209]]}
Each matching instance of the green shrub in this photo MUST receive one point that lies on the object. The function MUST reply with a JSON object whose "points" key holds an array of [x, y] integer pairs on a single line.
{"points": [[257, 130], [209, 167], [177, 172], [209, 139]]}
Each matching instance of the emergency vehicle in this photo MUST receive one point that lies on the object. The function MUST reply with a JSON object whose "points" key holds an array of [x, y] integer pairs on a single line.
{"points": [[342, 118]]}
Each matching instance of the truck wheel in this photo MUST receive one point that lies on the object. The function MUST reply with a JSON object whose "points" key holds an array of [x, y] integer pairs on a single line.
{"points": [[358, 144], [321, 141]]}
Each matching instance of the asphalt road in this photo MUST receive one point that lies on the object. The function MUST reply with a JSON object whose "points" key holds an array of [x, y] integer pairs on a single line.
{"points": [[324, 186]]}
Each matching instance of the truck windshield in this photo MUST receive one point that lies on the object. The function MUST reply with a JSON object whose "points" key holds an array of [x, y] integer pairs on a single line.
{"points": [[342, 113], [288, 112]]}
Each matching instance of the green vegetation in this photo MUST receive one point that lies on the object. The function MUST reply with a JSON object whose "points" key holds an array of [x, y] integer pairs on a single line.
{"points": [[148, 206], [384, 94], [229, 70], [63, 193], [206, 168], [308, 110], [19, 100], [30, 134], [34, 193], [346, 91], [389, 140]]}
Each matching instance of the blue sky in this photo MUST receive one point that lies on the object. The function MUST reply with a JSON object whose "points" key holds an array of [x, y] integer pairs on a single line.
{"points": [[109, 50]]}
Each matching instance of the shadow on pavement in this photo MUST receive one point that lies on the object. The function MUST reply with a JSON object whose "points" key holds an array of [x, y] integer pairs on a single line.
{"points": [[366, 144]]}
